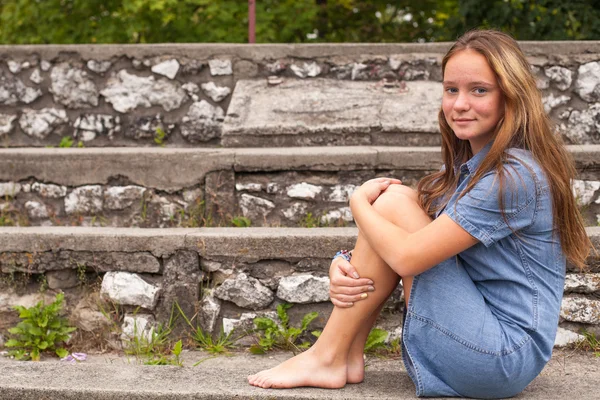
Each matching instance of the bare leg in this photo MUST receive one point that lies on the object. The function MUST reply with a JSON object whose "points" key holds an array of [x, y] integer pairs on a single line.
{"points": [[325, 364]]}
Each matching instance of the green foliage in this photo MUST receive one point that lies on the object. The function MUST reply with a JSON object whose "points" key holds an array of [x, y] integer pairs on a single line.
{"points": [[280, 336], [159, 136], [309, 221], [149, 345], [290, 21], [66, 142], [241, 222], [173, 359], [589, 343], [221, 345], [41, 329], [376, 340]]}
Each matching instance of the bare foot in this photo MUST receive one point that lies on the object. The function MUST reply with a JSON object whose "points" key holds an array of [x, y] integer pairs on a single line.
{"points": [[306, 369], [356, 368]]}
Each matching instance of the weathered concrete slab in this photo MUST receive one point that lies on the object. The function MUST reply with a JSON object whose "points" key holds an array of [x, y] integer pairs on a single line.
{"points": [[568, 375], [172, 169], [324, 111], [246, 243]]}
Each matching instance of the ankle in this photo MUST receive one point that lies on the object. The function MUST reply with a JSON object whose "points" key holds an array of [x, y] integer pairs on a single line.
{"points": [[328, 357]]}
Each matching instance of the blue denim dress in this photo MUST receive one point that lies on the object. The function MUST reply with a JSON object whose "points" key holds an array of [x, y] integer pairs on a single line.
{"points": [[483, 323]]}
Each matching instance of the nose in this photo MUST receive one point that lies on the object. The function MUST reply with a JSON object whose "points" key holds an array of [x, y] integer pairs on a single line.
{"points": [[462, 102]]}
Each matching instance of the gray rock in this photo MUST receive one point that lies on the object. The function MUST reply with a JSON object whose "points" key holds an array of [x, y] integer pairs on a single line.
{"points": [[565, 337], [45, 65], [137, 326], [98, 67], [580, 309], [202, 122], [216, 93], [587, 85], [341, 214], [87, 315], [245, 291], [72, 88], [191, 88], [8, 299], [129, 289], [36, 76], [88, 126], [210, 308], [255, 207], [148, 128], [62, 279], [246, 321], [6, 123], [210, 265], [168, 68], [126, 92], [249, 187], [220, 67], [341, 193], [303, 191], [303, 289], [583, 126], [181, 280], [191, 66], [551, 102], [191, 195], [49, 190], [272, 187], [276, 66], [36, 210], [84, 200], [584, 191], [311, 70], [562, 77], [14, 66], [13, 91], [582, 283], [122, 197], [41, 123], [10, 189], [358, 71], [295, 211]]}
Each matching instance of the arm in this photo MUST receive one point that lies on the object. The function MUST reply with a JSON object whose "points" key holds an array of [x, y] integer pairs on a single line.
{"points": [[407, 254]]}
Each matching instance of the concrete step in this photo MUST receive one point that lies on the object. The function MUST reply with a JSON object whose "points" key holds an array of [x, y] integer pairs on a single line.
{"points": [[166, 187], [255, 263], [569, 374]]}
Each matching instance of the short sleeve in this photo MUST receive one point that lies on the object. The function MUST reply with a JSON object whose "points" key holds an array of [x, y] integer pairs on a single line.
{"points": [[479, 211]]}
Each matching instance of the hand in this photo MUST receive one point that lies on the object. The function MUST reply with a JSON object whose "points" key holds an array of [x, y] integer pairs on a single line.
{"points": [[373, 188], [346, 287]]}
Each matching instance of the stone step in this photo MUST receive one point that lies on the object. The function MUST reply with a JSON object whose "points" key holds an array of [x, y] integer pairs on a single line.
{"points": [[168, 187], [254, 269], [568, 375]]}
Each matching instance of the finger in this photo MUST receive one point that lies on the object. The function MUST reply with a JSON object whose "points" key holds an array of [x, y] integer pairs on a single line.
{"points": [[351, 299], [345, 290], [347, 281], [348, 269], [341, 304]]}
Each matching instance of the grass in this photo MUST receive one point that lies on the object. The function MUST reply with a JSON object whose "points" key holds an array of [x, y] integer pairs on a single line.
{"points": [[589, 343]]}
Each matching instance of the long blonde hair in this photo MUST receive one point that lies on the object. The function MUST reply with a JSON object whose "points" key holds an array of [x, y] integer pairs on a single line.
{"points": [[525, 125]]}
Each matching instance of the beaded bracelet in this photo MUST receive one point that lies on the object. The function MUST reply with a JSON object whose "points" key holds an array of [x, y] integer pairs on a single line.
{"points": [[345, 254]]}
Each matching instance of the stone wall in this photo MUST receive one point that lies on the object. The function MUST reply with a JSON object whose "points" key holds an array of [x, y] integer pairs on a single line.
{"points": [[171, 188], [179, 95], [226, 276]]}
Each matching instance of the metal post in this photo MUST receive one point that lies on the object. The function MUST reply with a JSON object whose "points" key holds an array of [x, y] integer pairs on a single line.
{"points": [[251, 21]]}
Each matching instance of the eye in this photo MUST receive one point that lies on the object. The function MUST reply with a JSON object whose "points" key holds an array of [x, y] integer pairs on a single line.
{"points": [[451, 90], [480, 90]]}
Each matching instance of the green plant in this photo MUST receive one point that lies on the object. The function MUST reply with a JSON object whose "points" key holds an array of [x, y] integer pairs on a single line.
{"points": [[281, 336], [66, 142], [309, 221], [173, 359], [241, 222], [376, 340], [41, 329], [43, 283], [589, 343], [148, 345], [159, 136]]}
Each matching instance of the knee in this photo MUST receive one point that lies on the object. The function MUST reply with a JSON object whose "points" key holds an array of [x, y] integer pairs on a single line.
{"points": [[405, 190], [392, 203]]}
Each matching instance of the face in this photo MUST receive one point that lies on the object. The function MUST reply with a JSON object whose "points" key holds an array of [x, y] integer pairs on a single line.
{"points": [[472, 102]]}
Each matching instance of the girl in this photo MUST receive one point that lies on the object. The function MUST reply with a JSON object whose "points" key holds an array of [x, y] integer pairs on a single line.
{"points": [[481, 246]]}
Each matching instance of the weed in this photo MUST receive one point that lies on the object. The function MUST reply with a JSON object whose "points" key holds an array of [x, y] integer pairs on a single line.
{"points": [[43, 283], [148, 345], [280, 336], [376, 340], [589, 343], [81, 276], [205, 341], [41, 329], [66, 142], [159, 136], [241, 222], [173, 359], [309, 221]]}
